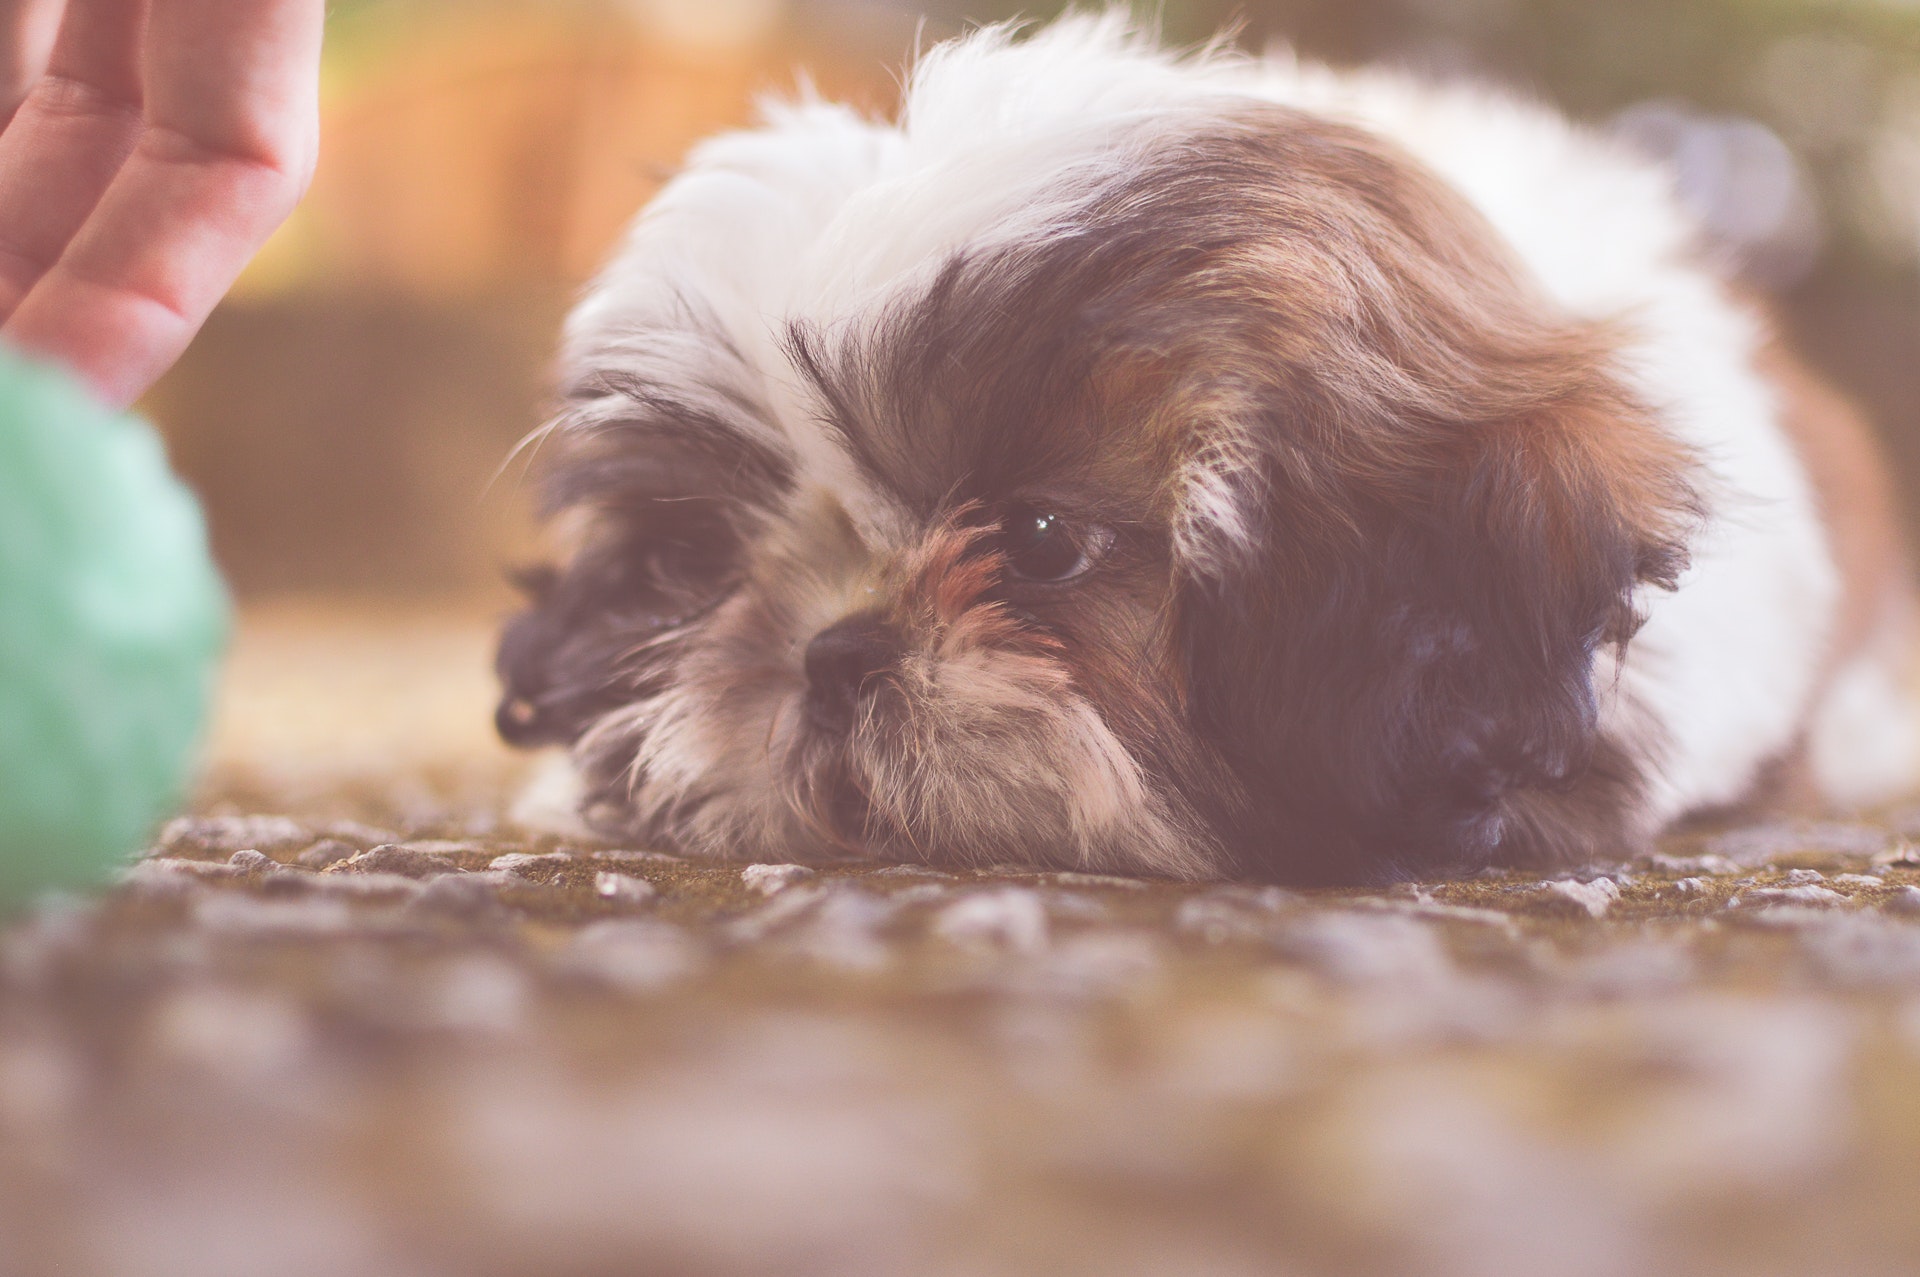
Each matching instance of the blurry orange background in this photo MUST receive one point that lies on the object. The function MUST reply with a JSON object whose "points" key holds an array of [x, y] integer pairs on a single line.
{"points": [[347, 413]]}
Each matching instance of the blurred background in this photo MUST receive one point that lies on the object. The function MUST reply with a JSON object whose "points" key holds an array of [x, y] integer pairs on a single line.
{"points": [[345, 413]]}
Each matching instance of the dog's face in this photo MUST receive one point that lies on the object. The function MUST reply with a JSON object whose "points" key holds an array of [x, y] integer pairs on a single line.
{"points": [[1225, 504]]}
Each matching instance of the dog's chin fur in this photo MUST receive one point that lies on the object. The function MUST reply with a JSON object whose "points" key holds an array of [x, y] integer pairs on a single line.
{"points": [[1434, 504]]}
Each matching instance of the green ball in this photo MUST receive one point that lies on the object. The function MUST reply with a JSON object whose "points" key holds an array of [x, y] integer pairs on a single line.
{"points": [[112, 622]]}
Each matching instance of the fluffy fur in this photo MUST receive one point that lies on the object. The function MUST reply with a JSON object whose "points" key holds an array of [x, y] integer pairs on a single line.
{"points": [[1197, 466]]}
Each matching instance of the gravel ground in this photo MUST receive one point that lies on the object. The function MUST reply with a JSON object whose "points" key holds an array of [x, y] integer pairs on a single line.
{"points": [[387, 1032]]}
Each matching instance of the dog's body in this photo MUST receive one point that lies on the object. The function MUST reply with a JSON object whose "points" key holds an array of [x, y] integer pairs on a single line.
{"points": [[1199, 467]]}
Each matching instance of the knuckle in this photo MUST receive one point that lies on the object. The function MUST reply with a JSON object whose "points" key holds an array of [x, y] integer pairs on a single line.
{"points": [[65, 96]]}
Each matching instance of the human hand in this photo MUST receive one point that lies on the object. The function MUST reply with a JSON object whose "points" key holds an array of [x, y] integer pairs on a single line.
{"points": [[150, 147]]}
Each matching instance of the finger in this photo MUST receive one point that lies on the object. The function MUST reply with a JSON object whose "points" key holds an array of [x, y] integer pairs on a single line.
{"points": [[238, 77], [68, 140], [232, 132], [27, 30]]}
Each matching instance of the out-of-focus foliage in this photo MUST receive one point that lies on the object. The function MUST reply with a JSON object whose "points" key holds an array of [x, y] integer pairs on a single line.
{"points": [[1839, 80]]}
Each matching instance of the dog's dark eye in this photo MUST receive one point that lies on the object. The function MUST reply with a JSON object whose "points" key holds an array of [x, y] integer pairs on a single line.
{"points": [[1039, 545], [661, 584], [673, 565]]}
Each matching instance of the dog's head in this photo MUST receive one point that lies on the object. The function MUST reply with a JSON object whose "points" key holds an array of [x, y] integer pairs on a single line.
{"points": [[1173, 482]]}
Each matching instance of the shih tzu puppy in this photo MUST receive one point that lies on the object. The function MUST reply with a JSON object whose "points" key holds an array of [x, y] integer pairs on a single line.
{"points": [[1195, 466]]}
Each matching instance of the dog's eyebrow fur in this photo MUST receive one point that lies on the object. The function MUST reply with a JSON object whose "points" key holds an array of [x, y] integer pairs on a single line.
{"points": [[996, 378], [631, 439]]}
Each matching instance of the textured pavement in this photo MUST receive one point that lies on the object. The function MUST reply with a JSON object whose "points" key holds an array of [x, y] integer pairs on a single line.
{"points": [[380, 1029]]}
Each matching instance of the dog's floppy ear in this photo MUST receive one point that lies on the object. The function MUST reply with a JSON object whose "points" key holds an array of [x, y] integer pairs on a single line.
{"points": [[1421, 501], [1423, 505], [1408, 637]]}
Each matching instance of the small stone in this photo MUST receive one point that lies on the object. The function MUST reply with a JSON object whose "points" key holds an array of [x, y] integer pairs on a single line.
{"points": [[1691, 886], [1902, 855], [912, 871], [1803, 878], [1220, 918], [1779, 917], [162, 870], [224, 835], [843, 932], [462, 898], [767, 879], [448, 847], [335, 882], [1807, 897], [1101, 964], [833, 926], [1428, 907], [1570, 896], [532, 867], [630, 955], [242, 913], [1268, 899], [640, 857], [1858, 880], [623, 888], [785, 907], [1096, 880], [924, 893], [251, 862], [1636, 968], [1010, 918], [1381, 949], [1864, 949], [1692, 866], [1075, 906], [325, 854], [406, 860], [288, 884], [1905, 900]]}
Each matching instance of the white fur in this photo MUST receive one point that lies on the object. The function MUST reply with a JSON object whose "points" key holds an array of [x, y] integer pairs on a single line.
{"points": [[1864, 737], [818, 215]]}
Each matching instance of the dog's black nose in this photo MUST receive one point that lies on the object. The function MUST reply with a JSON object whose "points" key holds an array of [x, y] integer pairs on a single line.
{"points": [[840, 660]]}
